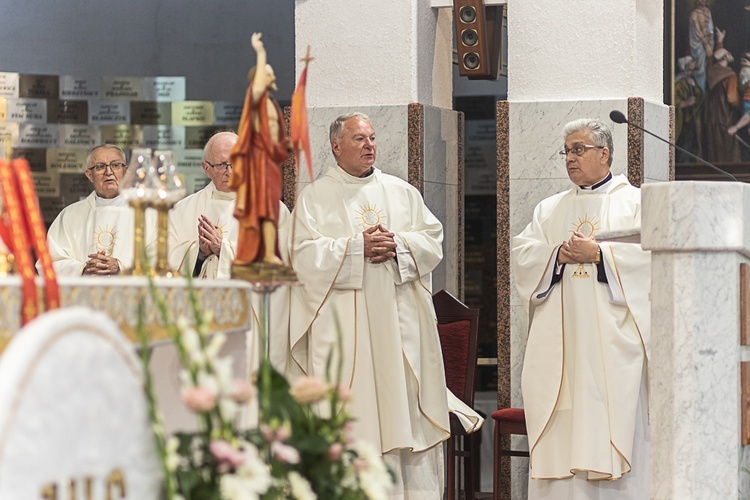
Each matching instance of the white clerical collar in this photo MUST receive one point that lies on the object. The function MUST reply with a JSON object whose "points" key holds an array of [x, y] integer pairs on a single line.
{"points": [[599, 187], [367, 178], [117, 201], [221, 195]]}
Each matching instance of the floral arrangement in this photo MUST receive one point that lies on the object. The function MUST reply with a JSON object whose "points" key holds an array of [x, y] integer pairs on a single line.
{"points": [[293, 453]]}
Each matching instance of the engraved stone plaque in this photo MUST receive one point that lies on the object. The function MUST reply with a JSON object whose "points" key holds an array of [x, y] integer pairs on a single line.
{"points": [[67, 160], [78, 136], [78, 87], [9, 132], [47, 184], [109, 112], [129, 88], [150, 113], [125, 136], [37, 135], [197, 137], [164, 88], [8, 84], [163, 137], [192, 113], [67, 111], [26, 110], [37, 158], [39, 86], [50, 208], [228, 113], [190, 168]]}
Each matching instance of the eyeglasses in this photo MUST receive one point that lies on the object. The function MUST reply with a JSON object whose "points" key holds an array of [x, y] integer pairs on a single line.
{"points": [[116, 166], [578, 149], [220, 167]]}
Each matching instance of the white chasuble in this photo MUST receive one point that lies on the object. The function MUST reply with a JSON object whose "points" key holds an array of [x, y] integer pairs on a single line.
{"points": [[588, 341], [87, 227], [183, 232], [381, 313]]}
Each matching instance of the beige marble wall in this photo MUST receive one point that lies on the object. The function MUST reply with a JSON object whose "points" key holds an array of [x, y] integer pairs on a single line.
{"points": [[420, 144]]}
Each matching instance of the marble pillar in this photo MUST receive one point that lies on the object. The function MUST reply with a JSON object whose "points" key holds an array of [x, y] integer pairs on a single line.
{"points": [[698, 234]]}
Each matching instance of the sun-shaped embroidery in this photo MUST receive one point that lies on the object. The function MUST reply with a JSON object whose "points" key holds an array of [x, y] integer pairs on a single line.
{"points": [[105, 239], [221, 226], [586, 226], [370, 216]]}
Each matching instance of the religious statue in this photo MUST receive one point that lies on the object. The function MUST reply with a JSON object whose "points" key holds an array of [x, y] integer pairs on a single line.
{"points": [[256, 172]]}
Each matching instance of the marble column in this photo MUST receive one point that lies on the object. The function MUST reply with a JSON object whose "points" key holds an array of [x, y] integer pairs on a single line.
{"points": [[698, 234]]}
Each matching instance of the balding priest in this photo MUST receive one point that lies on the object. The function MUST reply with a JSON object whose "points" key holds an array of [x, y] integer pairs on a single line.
{"points": [[584, 374], [202, 227], [94, 236]]}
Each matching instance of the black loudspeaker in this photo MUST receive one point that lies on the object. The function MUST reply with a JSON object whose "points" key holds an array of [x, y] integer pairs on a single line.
{"points": [[478, 38]]}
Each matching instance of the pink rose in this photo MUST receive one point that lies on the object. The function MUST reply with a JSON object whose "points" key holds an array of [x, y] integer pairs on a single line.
{"points": [[308, 390], [335, 451], [284, 453], [242, 391], [227, 454], [199, 399], [344, 395]]}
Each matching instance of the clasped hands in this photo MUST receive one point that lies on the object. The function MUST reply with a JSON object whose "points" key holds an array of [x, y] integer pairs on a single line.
{"points": [[379, 244], [577, 250], [209, 237], [101, 264]]}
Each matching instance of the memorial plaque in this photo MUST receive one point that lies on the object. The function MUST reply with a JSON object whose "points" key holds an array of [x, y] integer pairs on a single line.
{"points": [[67, 111], [50, 208], [150, 113], [164, 88], [74, 187], [191, 113], [8, 84], [129, 88], [39, 86], [189, 164], [26, 110], [197, 137], [47, 184], [3, 109], [78, 136], [9, 132], [124, 136], [228, 113], [163, 137], [37, 135], [67, 160], [37, 157], [109, 112], [77, 87]]}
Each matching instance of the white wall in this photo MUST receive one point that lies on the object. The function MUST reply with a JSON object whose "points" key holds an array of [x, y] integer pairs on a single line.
{"points": [[206, 41]]}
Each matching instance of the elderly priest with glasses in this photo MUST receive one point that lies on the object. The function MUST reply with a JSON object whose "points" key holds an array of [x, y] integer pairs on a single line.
{"points": [[94, 236], [584, 374]]}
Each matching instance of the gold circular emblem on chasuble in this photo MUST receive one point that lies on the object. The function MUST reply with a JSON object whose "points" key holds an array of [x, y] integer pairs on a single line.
{"points": [[370, 216], [586, 226], [105, 239]]}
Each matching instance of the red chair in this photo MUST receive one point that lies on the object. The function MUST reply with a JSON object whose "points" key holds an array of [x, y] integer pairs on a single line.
{"points": [[508, 421], [458, 327]]}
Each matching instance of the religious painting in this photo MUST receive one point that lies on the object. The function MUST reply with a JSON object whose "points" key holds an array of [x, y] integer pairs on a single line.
{"points": [[709, 80]]}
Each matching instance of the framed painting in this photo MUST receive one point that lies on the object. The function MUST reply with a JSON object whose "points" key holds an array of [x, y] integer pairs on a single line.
{"points": [[707, 79]]}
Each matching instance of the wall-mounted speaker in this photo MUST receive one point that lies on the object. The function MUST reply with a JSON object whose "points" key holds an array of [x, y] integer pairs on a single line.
{"points": [[478, 38]]}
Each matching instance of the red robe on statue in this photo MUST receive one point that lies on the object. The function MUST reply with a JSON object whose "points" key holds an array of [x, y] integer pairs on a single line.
{"points": [[257, 178]]}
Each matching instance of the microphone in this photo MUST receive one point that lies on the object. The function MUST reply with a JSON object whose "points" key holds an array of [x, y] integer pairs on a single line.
{"points": [[618, 117]]}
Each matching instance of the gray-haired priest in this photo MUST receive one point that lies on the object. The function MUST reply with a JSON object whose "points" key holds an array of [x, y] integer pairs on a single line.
{"points": [[584, 374], [364, 249], [94, 236]]}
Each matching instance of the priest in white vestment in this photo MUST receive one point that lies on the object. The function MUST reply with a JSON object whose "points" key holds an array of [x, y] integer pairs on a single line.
{"points": [[584, 374], [94, 236], [364, 247]]}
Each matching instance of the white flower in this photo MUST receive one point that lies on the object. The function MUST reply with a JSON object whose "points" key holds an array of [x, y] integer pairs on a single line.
{"points": [[208, 382], [373, 473], [234, 487], [190, 340], [228, 409], [255, 468], [172, 458], [301, 489], [215, 345], [309, 390], [223, 370]]}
